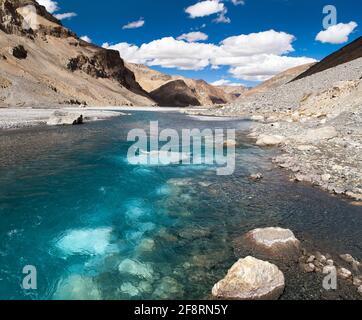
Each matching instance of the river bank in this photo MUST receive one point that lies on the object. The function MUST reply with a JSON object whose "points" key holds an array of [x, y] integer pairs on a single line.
{"points": [[317, 124]]}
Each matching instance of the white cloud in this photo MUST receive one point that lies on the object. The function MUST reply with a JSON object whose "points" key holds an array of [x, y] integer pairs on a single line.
{"points": [[50, 5], [193, 36], [225, 82], [205, 8], [66, 15], [238, 2], [256, 56], [86, 38], [135, 24], [222, 18], [263, 67], [337, 34]]}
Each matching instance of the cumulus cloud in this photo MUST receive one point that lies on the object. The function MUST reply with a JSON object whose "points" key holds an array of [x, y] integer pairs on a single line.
{"points": [[86, 38], [255, 57], [337, 34], [193, 36], [50, 5], [205, 8], [135, 24]]}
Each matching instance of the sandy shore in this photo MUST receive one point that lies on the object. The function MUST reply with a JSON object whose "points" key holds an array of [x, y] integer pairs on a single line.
{"points": [[12, 118]]}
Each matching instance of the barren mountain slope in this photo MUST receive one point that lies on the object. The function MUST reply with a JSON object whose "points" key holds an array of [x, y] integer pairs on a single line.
{"points": [[348, 53], [48, 65], [205, 93], [277, 81]]}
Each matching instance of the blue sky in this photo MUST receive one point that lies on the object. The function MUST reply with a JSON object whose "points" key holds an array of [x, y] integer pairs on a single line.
{"points": [[103, 23]]}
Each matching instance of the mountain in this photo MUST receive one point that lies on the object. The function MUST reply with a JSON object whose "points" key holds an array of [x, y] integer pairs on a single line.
{"points": [[234, 91], [205, 93], [277, 81], [43, 63], [348, 53], [175, 93]]}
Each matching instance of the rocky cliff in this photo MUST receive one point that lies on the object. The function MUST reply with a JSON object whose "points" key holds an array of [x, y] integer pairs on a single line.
{"points": [[42, 63]]}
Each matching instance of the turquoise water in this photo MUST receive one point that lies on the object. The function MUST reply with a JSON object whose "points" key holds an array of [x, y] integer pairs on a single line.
{"points": [[96, 227]]}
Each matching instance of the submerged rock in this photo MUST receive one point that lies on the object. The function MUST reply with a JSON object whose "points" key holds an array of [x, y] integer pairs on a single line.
{"points": [[251, 279], [256, 177], [77, 287], [275, 241], [168, 288], [136, 268]]}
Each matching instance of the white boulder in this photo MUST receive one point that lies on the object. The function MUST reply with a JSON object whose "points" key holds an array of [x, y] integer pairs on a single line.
{"points": [[251, 279]]}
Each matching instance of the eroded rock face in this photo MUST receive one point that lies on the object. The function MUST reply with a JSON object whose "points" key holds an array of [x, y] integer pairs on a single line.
{"points": [[109, 65], [251, 279], [274, 241]]}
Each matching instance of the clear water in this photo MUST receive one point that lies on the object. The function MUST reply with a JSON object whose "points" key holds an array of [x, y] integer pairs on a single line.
{"points": [[96, 227]]}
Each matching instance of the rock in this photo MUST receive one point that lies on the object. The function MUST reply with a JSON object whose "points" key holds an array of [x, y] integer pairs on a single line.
{"points": [[357, 281], [251, 279], [269, 141], [65, 118], [330, 262], [168, 288], [76, 287], [344, 273], [19, 52], [326, 177], [360, 290], [146, 245], [256, 177], [311, 259], [321, 258], [309, 267], [348, 258], [306, 148], [275, 241], [194, 233], [136, 268], [129, 289], [258, 118]]}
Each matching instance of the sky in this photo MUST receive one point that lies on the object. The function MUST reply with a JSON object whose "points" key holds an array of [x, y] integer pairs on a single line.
{"points": [[221, 41]]}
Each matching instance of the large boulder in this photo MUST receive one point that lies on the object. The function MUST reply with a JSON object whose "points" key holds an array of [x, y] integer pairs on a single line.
{"points": [[276, 242], [251, 279], [269, 140]]}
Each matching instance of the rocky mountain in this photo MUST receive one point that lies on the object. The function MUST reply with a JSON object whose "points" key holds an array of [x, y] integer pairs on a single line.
{"points": [[205, 93], [348, 53], [175, 93], [234, 91], [42, 63]]}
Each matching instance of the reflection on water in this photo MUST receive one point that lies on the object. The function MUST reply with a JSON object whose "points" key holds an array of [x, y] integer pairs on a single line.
{"points": [[98, 228]]}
